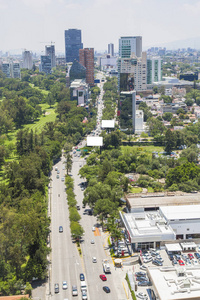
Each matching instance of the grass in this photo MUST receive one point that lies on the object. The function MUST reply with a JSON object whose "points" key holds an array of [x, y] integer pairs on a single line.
{"points": [[150, 189], [143, 149], [44, 92], [136, 190]]}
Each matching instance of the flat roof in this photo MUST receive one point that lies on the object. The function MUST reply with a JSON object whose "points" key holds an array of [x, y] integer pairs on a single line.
{"points": [[170, 286], [147, 226], [162, 200], [173, 247], [181, 212]]}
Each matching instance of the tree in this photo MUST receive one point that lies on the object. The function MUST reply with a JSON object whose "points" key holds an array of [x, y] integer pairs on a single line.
{"points": [[167, 116], [102, 208], [189, 102], [68, 163], [170, 141], [155, 90], [76, 230], [50, 99]]}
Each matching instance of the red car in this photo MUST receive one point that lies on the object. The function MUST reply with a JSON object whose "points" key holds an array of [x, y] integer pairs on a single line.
{"points": [[181, 263], [190, 256], [103, 277]]}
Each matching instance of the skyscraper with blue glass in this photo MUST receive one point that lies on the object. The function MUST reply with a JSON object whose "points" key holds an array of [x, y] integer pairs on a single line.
{"points": [[72, 44]]}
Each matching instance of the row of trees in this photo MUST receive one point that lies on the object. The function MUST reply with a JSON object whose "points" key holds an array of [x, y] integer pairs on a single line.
{"points": [[110, 97]]}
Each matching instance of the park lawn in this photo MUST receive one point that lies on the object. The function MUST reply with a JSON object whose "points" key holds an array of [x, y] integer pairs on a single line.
{"points": [[44, 92], [144, 149], [136, 190]]}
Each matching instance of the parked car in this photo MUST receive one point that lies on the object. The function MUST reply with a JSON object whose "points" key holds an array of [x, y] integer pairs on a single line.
{"points": [[197, 255], [171, 256], [157, 262], [141, 278], [191, 256], [174, 262], [181, 263], [143, 267], [144, 283], [195, 262], [140, 273], [142, 296]]}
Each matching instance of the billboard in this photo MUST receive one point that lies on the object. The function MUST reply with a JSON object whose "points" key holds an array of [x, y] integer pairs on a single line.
{"points": [[94, 141], [108, 124]]}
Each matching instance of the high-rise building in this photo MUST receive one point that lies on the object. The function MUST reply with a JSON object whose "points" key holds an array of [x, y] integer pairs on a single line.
{"points": [[45, 65], [72, 44], [15, 70], [154, 69], [111, 49], [27, 60], [132, 73], [77, 71], [129, 45], [86, 58], [50, 51], [6, 69]]}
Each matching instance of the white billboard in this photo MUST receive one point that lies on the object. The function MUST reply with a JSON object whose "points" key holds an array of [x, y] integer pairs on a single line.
{"points": [[108, 124], [94, 141]]}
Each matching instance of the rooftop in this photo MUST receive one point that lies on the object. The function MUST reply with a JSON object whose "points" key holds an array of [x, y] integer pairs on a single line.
{"points": [[176, 283], [181, 212]]}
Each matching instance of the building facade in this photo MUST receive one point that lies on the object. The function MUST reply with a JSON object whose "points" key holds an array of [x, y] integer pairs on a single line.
{"points": [[6, 69], [77, 71], [27, 60], [11, 69], [129, 45], [50, 51], [86, 58], [111, 49], [73, 44], [79, 91], [132, 73], [154, 69], [45, 65]]}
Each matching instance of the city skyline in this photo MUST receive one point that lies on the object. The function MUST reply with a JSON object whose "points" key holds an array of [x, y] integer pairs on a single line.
{"points": [[34, 23]]}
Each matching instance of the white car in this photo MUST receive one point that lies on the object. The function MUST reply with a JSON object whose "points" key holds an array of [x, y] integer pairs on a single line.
{"points": [[64, 285], [93, 228], [142, 296], [94, 259], [143, 267], [195, 262], [92, 241]]}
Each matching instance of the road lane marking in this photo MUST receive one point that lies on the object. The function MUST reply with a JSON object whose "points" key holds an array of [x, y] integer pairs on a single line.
{"points": [[125, 290], [97, 232]]}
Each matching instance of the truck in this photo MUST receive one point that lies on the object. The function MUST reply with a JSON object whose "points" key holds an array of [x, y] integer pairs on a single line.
{"points": [[83, 286], [106, 266]]}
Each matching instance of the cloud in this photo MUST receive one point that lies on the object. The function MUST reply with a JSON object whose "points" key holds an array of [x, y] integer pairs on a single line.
{"points": [[192, 8], [36, 4], [3, 4]]}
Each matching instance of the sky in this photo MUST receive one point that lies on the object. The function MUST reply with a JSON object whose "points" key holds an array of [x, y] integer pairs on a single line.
{"points": [[32, 24]]}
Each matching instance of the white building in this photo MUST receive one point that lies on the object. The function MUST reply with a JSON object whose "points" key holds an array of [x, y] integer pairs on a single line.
{"points": [[27, 60], [108, 63], [15, 70], [79, 91], [111, 49], [147, 229], [132, 70], [139, 118], [184, 219], [129, 45], [154, 69]]}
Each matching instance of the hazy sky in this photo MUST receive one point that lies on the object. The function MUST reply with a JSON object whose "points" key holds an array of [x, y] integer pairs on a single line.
{"points": [[28, 23]]}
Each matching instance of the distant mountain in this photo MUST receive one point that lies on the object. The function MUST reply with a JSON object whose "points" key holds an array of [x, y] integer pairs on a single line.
{"points": [[193, 43]]}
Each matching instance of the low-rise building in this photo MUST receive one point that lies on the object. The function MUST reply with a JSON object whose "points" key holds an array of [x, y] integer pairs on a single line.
{"points": [[79, 91]]}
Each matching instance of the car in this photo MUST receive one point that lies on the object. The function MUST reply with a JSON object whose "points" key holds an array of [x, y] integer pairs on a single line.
{"points": [[190, 256], [56, 168], [106, 289], [197, 255], [82, 277], [60, 229], [56, 288], [144, 283], [64, 285], [82, 189], [174, 262], [157, 262], [195, 262], [84, 295], [139, 278], [58, 172], [94, 259], [63, 179], [103, 277], [181, 263], [171, 256], [178, 257], [142, 296], [143, 267], [57, 176], [92, 241], [93, 228], [74, 290], [140, 273]]}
